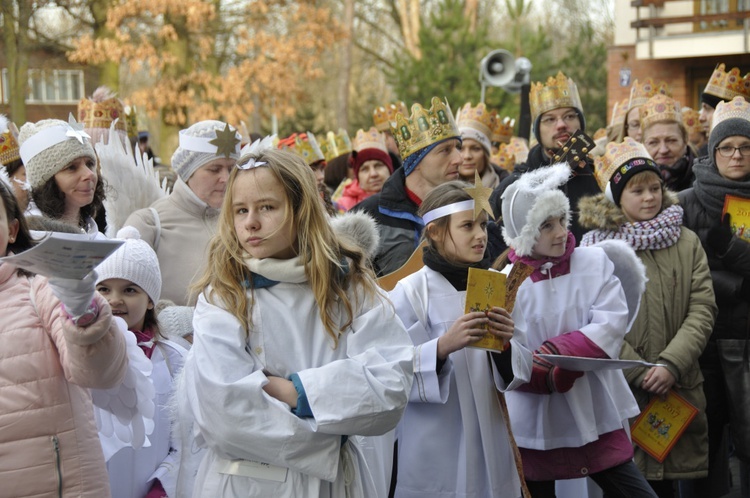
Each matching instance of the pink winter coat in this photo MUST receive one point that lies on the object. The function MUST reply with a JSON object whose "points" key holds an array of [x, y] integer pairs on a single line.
{"points": [[48, 438]]}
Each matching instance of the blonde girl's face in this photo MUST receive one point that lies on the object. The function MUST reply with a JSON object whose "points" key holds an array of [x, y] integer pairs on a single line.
{"points": [[465, 240], [553, 236], [127, 300], [8, 230], [263, 226]]}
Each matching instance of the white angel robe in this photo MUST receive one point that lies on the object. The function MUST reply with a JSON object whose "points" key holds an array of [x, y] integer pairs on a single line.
{"points": [[256, 446], [453, 439]]}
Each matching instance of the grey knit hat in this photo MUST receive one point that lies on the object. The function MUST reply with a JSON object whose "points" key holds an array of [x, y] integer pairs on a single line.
{"points": [[134, 261], [731, 127], [49, 145], [203, 142]]}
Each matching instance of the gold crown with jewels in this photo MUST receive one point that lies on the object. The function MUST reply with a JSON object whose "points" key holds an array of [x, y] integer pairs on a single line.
{"points": [[383, 116], [503, 131], [424, 127], [478, 118], [615, 155], [370, 139], [641, 92], [559, 91], [728, 85], [738, 107], [336, 144], [504, 157], [690, 118], [101, 114], [660, 108], [10, 150]]}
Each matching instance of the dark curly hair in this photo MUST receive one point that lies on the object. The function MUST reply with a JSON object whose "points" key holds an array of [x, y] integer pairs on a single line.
{"points": [[51, 200]]}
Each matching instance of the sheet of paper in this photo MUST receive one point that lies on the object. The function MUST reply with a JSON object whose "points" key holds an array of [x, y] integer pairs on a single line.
{"points": [[581, 364], [64, 255]]}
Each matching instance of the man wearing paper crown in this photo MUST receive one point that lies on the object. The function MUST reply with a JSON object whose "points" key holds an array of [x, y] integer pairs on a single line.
{"points": [[722, 185], [636, 207], [722, 87], [556, 113], [429, 143], [478, 127]]}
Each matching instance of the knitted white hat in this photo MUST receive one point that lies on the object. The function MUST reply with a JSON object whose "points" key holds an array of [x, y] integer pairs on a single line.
{"points": [[49, 145], [134, 261], [528, 202], [175, 321], [192, 154]]}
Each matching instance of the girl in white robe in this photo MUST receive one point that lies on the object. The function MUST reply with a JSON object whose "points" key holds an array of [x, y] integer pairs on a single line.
{"points": [[454, 439], [296, 353]]}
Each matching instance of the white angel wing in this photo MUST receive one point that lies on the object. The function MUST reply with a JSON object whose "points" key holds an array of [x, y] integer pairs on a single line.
{"points": [[125, 414], [133, 182]]}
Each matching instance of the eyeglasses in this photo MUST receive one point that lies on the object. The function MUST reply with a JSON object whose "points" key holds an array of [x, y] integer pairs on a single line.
{"points": [[728, 150], [551, 120]]}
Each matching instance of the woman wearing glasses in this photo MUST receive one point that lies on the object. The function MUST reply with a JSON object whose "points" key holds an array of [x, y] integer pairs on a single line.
{"points": [[725, 171]]}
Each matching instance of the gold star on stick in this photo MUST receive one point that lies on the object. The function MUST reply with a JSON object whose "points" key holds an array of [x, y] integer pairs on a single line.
{"points": [[226, 142], [481, 196]]}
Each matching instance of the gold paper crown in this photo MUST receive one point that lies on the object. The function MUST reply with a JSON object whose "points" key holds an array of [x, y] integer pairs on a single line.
{"points": [[558, 92], [738, 107], [370, 139], [600, 133], [691, 121], [615, 155], [503, 131], [9, 148], [478, 118], [101, 114], [619, 111], [640, 93], [308, 149], [424, 127], [660, 108], [519, 148], [336, 144], [383, 116], [729, 85], [505, 158], [131, 121]]}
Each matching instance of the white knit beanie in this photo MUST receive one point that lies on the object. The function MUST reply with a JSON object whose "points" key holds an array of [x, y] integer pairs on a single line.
{"points": [[49, 145], [192, 154], [134, 261], [528, 202]]}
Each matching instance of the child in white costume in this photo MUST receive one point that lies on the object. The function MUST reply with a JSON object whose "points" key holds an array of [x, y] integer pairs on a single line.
{"points": [[296, 351], [568, 424], [130, 280], [454, 439]]}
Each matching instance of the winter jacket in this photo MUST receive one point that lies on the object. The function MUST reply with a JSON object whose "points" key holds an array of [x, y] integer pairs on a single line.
{"points": [[672, 327], [351, 195], [399, 225], [581, 184], [179, 237], [48, 438]]}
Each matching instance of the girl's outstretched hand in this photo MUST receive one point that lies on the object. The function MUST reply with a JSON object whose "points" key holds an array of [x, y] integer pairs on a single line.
{"points": [[464, 331], [281, 389], [501, 324]]}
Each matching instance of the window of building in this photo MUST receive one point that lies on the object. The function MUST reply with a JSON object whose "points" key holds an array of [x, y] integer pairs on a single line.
{"points": [[56, 86]]}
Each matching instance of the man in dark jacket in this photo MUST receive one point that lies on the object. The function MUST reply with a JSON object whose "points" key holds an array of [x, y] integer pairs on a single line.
{"points": [[557, 114], [429, 143]]}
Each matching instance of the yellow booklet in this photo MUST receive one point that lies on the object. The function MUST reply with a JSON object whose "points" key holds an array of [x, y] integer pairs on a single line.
{"points": [[485, 289], [661, 423], [739, 209]]}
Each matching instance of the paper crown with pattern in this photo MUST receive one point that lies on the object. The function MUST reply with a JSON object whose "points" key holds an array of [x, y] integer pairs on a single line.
{"points": [[336, 144], [9, 148], [131, 120], [691, 121], [304, 145], [478, 118], [558, 92], [728, 85], [615, 155], [424, 127], [738, 107], [619, 111], [504, 157], [641, 92], [101, 114], [370, 139], [503, 131], [383, 116], [660, 108]]}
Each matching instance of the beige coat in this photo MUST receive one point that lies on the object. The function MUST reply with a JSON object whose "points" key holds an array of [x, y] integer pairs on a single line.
{"points": [[673, 325], [48, 438], [180, 238]]}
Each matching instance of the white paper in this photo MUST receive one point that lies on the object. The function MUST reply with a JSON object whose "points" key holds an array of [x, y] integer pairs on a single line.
{"points": [[64, 255], [582, 364]]}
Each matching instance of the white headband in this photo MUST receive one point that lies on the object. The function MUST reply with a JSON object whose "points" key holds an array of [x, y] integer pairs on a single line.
{"points": [[49, 137], [456, 207], [201, 144]]}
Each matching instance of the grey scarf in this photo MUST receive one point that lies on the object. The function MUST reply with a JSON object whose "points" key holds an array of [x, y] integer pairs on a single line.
{"points": [[711, 187]]}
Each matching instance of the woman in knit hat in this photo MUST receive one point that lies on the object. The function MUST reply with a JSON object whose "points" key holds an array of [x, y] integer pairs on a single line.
{"points": [[61, 168], [725, 171], [179, 226], [371, 165], [676, 314]]}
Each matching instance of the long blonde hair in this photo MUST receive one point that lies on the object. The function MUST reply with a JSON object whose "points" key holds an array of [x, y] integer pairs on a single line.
{"points": [[332, 266]]}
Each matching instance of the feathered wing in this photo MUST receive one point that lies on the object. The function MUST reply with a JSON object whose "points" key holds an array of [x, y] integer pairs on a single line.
{"points": [[543, 179], [133, 182]]}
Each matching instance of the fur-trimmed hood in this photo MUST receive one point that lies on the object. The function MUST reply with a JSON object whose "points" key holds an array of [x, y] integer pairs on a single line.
{"points": [[599, 213], [360, 228]]}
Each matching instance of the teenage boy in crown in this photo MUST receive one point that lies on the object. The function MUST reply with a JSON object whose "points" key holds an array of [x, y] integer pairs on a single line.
{"points": [[557, 114], [430, 144]]}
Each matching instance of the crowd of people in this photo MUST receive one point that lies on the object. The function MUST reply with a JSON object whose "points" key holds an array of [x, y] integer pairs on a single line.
{"points": [[288, 318]]}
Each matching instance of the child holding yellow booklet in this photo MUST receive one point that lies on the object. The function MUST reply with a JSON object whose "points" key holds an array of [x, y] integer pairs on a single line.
{"points": [[454, 439]]}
